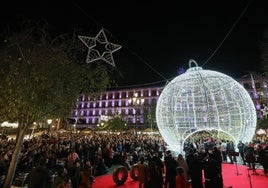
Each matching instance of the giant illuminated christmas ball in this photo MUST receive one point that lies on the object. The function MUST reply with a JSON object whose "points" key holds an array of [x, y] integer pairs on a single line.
{"points": [[204, 100]]}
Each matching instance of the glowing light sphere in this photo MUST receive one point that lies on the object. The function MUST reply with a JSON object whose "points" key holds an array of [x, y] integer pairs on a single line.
{"points": [[204, 100]]}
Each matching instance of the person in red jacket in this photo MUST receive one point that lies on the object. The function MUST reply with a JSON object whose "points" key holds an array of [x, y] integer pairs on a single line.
{"points": [[181, 182]]}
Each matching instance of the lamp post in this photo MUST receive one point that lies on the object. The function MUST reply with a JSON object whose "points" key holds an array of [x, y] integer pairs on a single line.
{"points": [[49, 121], [135, 101], [74, 128], [151, 122]]}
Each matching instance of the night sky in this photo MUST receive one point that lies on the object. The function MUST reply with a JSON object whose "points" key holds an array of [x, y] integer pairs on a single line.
{"points": [[158, 37]]}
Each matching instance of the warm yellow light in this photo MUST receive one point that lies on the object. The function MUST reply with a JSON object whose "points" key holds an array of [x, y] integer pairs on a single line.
{"points": [[49, 121]]}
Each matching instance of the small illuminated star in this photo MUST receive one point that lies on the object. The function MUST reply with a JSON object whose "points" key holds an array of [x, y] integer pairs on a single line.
{"points": [[94, 45]]}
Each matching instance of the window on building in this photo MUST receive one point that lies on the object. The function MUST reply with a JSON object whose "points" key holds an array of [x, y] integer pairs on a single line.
{"points": [[116, 103], [247, 86], [153, 92], [80, 98], [146, 102], [130, 120], [257, 85], [154, 101], [146, 93], [138, 111], [103, 96], [116, 95], [131, 111], [123, 95], [110, 96], [82, 113], [130, 94]]}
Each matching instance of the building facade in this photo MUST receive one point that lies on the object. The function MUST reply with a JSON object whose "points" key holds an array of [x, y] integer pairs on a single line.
{"points": [[90, 111], [257, 87]]}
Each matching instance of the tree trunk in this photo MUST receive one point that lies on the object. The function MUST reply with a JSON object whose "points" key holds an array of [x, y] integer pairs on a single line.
{"points": [[14, 160]]}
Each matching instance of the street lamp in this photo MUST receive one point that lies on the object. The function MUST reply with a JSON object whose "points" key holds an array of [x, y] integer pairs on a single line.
{"points": [[74, 128], [135, 101], [49, 121]]}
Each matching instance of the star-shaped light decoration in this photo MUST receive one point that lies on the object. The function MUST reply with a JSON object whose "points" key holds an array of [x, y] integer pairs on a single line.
{"points": [[94, 51]]}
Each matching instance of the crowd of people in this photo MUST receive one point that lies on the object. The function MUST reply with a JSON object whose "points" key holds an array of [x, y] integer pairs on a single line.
{"points": [[64, 159]]}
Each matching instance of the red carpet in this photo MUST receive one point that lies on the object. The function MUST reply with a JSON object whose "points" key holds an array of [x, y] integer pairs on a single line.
{"points": [[245, 179]]}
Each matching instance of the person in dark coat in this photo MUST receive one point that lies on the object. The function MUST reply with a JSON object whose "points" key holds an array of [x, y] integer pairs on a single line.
{"points": [[155, 180], [159, 165], [212, 173], [143, 173], [171, 165], [230, 149], [39, 176], [241, 147], [74, 173], [61, 178], [216, 154], [264, 158], [249, 156], [195, 171]]}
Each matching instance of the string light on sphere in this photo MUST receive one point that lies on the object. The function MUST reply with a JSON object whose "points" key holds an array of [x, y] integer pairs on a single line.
{"points": [[204, 100]]}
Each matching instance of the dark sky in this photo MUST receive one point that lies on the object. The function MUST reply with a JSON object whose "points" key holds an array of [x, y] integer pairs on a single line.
{"points": [[158, 37]]}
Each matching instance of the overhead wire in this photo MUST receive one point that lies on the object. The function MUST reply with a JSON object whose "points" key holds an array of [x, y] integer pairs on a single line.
{"points": [[228, 33], [131, 51], [147, 64], [141, 85], [139, 57]]}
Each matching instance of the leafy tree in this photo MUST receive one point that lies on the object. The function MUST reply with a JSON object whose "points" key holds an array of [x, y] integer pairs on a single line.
{"points": [[262, 123], [114, 122], [41, 76], [150, 116], [117, 122]]}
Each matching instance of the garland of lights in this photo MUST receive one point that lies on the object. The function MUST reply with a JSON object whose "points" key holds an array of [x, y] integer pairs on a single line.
{"points": [[204, 100]]}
